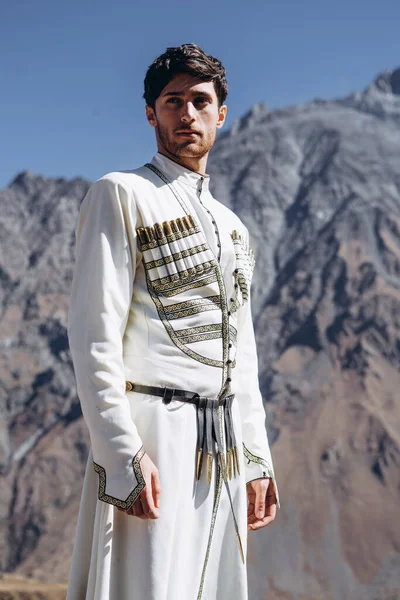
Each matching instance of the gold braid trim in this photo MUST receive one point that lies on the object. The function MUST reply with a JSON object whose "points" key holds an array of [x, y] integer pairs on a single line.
{"points": [[176, 288], [124, 504], [256, 459], [269, 472], [243, 273]]}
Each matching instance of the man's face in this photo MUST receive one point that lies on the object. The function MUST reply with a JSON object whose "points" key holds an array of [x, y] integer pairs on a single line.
{"points": [[186, 117]]}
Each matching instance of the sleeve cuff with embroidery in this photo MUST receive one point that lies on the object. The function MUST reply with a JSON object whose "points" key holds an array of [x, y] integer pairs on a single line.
{"points": [[258, 468], [138, 484]]}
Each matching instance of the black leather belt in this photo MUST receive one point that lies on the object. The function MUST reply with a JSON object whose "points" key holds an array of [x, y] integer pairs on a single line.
{"points": [[209, 433]]}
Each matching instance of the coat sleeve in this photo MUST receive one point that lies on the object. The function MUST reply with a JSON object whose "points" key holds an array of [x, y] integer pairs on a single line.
{"points": [[99, 306], [256, 450]]}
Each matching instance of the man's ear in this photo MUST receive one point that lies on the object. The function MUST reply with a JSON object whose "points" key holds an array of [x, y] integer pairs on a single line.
{"points": [[221, 116], [151, 116]]}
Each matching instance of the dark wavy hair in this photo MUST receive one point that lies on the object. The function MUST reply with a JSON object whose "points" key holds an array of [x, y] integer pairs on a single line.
{"points": [[190, 59]]}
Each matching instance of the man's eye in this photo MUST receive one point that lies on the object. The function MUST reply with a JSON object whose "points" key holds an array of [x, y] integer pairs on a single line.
{"points": [[201, 100], [172, 100]]}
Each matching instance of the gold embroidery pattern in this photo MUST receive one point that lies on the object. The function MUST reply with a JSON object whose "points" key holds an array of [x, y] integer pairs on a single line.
{"points": [[168, 256], [124, 504], [167, 290], [244, 270], [269, 472], [172, 334], [177, 279], [188, 312], [195, 302], [199, 329], [256, 459], [175, 263], [233, 334], [201, 337], [192, 307]]}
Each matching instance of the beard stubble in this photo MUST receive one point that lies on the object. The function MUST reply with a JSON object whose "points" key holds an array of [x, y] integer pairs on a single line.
{"points": [[185, 148]]}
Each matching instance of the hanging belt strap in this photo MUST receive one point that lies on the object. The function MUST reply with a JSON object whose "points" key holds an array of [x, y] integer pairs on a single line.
{"points": [[209, 436]]}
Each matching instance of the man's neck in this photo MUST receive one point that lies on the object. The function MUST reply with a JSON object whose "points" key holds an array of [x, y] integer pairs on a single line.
{"points": [[198, 165]]}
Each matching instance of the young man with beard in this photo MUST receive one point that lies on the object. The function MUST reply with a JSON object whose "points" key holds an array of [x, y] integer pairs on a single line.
{"points": [[163, 348]]}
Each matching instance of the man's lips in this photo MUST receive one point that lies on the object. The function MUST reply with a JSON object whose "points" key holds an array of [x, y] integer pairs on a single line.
{"points": [[189, 132]]}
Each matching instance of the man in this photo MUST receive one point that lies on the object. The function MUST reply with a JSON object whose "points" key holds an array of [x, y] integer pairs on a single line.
{"points": [[163, 348]]}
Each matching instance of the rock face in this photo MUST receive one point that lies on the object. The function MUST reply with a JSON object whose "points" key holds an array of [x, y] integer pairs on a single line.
{"points": [[43, 446], [318, 186]]}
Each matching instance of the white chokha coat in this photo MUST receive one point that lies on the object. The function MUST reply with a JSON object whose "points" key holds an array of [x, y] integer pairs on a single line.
{"points": [[161, 297]]}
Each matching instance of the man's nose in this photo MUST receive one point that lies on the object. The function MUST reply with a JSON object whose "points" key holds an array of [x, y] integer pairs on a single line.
{"points": [[188, 113]]}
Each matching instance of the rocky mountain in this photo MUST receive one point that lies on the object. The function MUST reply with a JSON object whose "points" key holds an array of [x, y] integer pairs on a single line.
{"points": [[318, 186], [41, 460]]}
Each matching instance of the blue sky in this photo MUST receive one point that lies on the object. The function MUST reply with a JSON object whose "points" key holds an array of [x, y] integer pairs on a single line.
{"points": [[72, 72]]}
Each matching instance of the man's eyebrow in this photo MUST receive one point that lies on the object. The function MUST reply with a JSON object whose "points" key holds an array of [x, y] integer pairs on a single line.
{"points": [[173, 94], [195, 93]]}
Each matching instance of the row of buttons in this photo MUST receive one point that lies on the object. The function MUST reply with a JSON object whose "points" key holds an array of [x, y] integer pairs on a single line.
{"points": [[233, 299]]}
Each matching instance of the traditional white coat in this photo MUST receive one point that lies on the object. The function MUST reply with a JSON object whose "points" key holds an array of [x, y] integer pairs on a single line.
{"points": [[160, 296]]}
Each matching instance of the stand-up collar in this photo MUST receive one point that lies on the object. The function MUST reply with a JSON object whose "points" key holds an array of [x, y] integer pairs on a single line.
{"points": [[176, 172]]}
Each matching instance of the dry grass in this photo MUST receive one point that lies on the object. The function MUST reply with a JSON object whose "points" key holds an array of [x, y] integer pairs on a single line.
{"points": [[18, 588]]}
